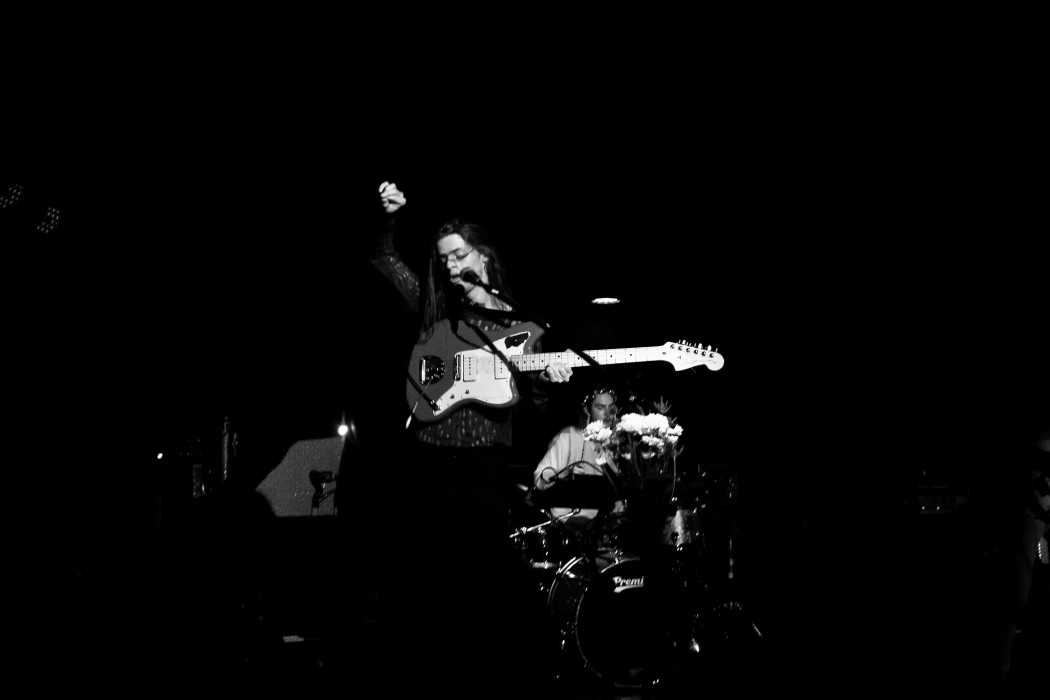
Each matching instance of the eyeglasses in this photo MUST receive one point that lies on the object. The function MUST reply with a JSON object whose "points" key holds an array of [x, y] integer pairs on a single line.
{"points": [[458, 257]]}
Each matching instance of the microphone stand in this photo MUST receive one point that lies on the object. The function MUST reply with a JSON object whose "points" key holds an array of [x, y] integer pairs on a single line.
{"points": [[318, 481], [619, 491], [617, 485], [551, 520], [472, 277], [564, 469]]}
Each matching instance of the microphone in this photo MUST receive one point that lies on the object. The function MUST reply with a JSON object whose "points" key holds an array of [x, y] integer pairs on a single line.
{"points": [[317, 478], [473, 278]]}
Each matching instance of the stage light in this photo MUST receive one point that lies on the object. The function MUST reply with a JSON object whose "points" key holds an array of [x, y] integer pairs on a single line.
{"points": [[13, 194], [51, 220], [605, 300]]}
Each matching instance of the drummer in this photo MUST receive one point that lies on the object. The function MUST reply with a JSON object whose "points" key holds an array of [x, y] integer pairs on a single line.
{"points": [[575, 479]]}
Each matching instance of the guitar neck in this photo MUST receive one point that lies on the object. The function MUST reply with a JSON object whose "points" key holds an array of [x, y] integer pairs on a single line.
{"points": [[535, 362]]}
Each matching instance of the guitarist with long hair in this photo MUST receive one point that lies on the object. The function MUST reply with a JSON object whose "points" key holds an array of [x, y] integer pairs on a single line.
{"points": [[453, 468]]}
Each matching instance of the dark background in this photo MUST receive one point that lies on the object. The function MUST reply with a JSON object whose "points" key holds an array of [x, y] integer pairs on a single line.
{"points": [[849, 228]]}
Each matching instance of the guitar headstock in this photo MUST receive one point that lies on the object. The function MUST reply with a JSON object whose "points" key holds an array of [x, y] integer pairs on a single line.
{"points": [[684, 355]]}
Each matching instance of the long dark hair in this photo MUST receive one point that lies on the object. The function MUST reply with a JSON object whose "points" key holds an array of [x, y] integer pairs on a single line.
{"points": [[440, 295]]}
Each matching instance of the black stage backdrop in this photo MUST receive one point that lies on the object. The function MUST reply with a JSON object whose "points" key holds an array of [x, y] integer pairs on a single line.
{"points": [[861, 262]]}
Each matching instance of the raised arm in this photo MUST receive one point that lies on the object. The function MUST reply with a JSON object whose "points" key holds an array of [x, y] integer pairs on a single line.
{"points": [[385, 257]]}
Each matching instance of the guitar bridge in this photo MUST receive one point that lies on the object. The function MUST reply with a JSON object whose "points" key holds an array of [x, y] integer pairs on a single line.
{"points": [[431, 369]]}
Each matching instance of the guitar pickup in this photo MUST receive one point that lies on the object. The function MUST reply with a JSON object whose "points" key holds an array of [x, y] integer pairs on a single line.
{"points": [[467, 368]]}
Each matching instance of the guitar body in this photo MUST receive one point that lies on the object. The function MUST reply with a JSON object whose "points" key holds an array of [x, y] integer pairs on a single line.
{"points": [[455, 369]]}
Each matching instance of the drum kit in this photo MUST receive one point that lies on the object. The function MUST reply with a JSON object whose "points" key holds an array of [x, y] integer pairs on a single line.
{"points": [[636, 592]]}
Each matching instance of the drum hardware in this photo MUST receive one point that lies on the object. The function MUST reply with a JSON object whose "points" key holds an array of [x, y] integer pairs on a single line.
{"points": [[519, 532], [721, 624], [630, 624], [683, 527], [546, 545]]}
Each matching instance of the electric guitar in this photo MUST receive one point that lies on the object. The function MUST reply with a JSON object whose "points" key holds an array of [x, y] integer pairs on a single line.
{"points": [[450, 370]]}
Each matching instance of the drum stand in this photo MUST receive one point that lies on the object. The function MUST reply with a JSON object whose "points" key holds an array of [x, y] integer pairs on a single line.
{"points": [[723, 636]]}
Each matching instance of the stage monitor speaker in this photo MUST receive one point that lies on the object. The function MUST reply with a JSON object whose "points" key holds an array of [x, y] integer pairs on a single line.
{"points": [[304, 483]]}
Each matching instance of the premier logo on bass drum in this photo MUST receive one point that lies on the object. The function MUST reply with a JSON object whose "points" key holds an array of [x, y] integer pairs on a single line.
{"points": [[622, 584]]}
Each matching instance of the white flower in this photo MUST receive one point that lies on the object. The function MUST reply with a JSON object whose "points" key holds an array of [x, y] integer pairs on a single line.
{"points": [[632, 423], [598, 432], [649, 424], [653, 431]]}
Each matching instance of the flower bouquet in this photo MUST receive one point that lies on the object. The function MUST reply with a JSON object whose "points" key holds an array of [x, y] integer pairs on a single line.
{"points": [[641, 447], [641, 450]]}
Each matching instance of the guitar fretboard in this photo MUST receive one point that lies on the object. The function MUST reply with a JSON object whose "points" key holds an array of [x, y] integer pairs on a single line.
{"points": [[615, 356]]}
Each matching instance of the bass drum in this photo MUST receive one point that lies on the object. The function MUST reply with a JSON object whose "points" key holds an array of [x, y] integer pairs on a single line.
{"points": [[611, 621]]}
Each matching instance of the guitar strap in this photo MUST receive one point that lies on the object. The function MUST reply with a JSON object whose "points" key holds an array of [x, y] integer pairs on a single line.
{"points": [[498, 315], [422, 394]]}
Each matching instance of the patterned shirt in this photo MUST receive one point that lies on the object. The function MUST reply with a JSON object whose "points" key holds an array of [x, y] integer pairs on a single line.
{"points": [[470, 425]]}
